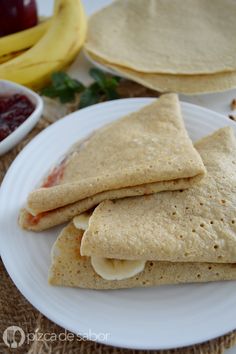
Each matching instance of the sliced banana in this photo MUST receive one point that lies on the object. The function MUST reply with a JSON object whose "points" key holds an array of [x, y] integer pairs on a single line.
{"points": [[116, 269], [109, 269], [81, 221]]}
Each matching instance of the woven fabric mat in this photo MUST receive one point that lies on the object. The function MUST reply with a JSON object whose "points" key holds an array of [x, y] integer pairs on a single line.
{"points": [[16, 310]]}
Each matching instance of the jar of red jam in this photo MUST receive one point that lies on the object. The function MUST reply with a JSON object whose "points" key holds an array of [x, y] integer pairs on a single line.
{"points": [[17, 15]]}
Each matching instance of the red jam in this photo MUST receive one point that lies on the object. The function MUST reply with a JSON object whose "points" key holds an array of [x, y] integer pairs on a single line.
{"points": [[55, 176], [14, 110], [34, 220]]}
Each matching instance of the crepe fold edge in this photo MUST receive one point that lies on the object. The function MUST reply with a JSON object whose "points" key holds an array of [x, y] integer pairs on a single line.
{"points": [[59, 216], [165, 112], [173, 226], [184, 84], [69, 268]]}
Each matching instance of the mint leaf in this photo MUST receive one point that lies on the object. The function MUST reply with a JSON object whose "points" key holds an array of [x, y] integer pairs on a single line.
{"points": [[112, 81], [66, 96], [90, 96], [111, 94], [75, 85], [59, 78], [63, 87], [108, 84], [98, 76], [49, 92]]}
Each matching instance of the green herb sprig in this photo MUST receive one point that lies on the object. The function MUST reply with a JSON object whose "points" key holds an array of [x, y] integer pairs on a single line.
{"points": [[65, 88]]}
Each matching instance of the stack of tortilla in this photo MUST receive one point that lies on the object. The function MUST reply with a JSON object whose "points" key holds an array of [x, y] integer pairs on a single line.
{"points": [[167, 45], [145, 207]]}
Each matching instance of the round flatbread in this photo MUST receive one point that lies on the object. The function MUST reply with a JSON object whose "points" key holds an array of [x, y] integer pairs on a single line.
{"points": [[166, 36], [186, 84]]}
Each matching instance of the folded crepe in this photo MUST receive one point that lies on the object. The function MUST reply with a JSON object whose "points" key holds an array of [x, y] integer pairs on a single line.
{"points": [[69, 268], [194, 225], [147, 151], [166, 238]]}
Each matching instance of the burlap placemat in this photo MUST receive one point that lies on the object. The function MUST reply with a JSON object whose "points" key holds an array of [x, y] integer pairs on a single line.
{"points": [[15, 310]]}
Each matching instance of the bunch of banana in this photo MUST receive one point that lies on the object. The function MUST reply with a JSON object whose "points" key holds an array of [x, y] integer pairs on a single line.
{"points": [[55, 44], [16, 43], [10, 55]]}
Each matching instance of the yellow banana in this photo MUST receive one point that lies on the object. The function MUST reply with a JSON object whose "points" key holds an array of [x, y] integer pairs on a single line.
{"points": [[55, 50], [10, 56], [22, 40]]}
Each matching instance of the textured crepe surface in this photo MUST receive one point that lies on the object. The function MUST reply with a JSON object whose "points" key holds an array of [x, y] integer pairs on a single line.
{"points": [[198, 224], [187, 84], [69, 268], [147, 146], [166, 36], [63, 214]]}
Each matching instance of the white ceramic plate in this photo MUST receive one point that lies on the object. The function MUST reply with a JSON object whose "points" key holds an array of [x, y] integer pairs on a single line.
{"points": [[154, 318]]}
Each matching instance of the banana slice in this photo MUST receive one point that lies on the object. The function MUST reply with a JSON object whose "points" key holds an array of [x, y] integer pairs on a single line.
{"points": [[116, 269], [109, 269], [81, 221]]}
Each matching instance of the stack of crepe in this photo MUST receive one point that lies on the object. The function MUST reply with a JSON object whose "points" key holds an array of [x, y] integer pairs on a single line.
{"points": [[145, 206], [165, 238], [167, 45]]}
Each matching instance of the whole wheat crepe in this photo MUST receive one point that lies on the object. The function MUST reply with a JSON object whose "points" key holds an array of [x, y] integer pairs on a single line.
{"points": [[166, 36], [69, 268], [194, 225], [187, 84], [145, 152]]}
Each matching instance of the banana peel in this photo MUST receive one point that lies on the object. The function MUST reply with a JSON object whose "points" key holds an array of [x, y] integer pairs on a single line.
{"points": [[17, 42]]}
